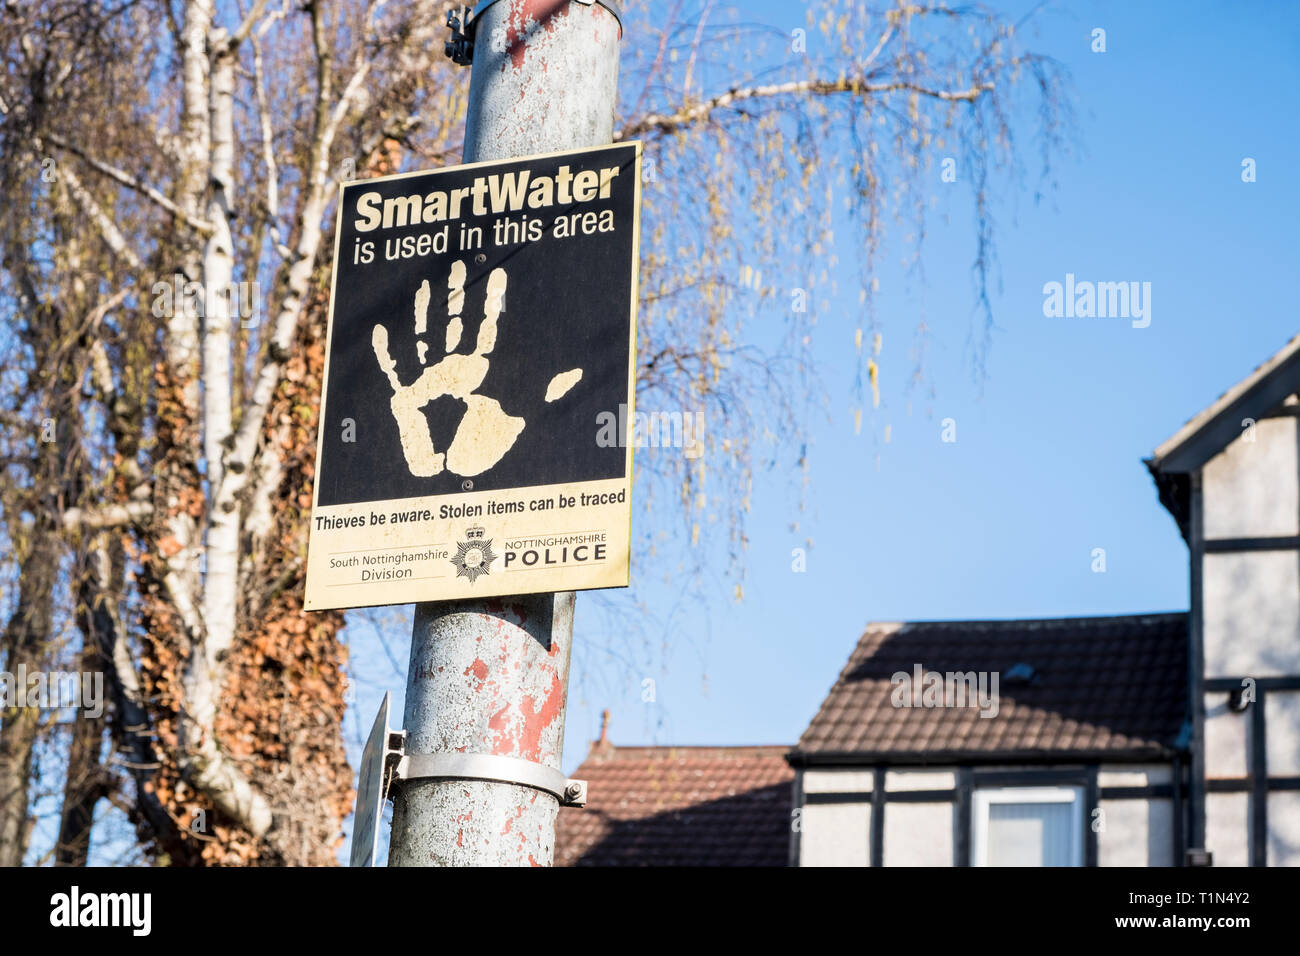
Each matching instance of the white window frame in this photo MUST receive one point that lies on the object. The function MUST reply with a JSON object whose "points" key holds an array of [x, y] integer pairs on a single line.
{"points": [[985, 796]]}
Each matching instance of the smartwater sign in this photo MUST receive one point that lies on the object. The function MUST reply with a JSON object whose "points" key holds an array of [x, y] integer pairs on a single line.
{"points": [[482, 327]]}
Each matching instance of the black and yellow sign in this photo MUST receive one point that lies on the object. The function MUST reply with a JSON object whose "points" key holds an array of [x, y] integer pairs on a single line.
{"points": [[482, 328]]}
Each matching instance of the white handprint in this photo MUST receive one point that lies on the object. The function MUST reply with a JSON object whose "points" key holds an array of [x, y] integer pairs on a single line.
{"points": [[485, 432]]}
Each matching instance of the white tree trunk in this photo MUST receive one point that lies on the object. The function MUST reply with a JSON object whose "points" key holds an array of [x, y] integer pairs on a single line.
{"points": [[206, 765]]}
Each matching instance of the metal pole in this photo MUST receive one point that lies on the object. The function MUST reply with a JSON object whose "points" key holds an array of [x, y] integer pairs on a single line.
{"points": [[491, 677]]}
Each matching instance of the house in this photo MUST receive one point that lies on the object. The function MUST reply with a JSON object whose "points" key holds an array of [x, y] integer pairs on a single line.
{"points": [[679, 806], [1163, 739], [1073, 755], [1147, 740], [1230, 479]]}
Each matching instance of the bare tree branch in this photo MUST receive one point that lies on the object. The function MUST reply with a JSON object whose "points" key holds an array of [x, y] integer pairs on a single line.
{"points": [[108, 516], [690, 115], [201, 226]]}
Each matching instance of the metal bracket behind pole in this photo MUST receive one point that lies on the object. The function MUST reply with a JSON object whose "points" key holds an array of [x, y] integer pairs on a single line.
{"points": [[496, 768], [460, 48]]}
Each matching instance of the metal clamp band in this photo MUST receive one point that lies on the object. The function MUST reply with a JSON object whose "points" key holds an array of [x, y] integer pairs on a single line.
{"points": [[494, 767]]}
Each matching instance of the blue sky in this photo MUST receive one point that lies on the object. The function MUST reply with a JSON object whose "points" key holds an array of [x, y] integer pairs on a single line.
{"points": [[1047, 464]]}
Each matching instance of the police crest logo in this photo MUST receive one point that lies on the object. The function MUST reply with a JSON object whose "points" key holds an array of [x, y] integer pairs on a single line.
{"points": [[474, 556], [482, 321]]}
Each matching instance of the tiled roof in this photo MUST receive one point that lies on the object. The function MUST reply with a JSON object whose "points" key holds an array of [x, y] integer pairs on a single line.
{"points": [[1113, 686], [679, 806]]}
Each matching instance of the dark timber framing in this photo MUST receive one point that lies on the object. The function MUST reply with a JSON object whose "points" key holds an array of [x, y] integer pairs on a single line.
{"points": [[970, 778], [1286, 411], [1257, 783], [948, 759], [965, 803], [1180, 809], [1246, 785], [796, 832], [1258, 774], [1091, 801], [1267, 393], [1195, 665], [1154, 791], [1217, 685], [1246, 545], [878, 817]]}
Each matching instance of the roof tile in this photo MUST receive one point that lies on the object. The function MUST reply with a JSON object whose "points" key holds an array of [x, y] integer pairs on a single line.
{"points": [[679, 806], [1100, 684]]}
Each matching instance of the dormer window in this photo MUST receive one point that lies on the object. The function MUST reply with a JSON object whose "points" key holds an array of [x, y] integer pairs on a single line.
{"points": [[1027, 826]]}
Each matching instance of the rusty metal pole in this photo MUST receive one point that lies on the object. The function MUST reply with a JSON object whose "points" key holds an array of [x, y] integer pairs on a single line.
{"points": [[491, 677]]}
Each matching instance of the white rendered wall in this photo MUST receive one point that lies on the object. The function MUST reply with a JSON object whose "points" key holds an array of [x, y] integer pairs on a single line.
{"points": [[1252, 614], [1225, 739], [1251, 600], [1225, 828], [919, 834], [1283, 828], [1250, 488], [835, 834], [1251, 606], [1282, 732], [1136, 832]]}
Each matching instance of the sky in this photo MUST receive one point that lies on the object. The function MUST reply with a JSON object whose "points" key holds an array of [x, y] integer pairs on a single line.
{"points": [[1047, 462]]}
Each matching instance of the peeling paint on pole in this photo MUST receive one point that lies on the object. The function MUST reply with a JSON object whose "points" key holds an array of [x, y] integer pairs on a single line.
{"points": [[545, 76], [485, 677], [491, 676]]}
